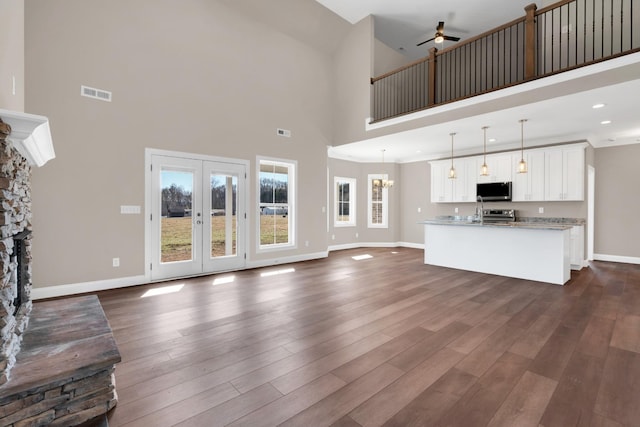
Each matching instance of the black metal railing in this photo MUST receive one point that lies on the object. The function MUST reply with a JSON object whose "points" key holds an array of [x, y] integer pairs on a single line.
{"points": [[560, 37]]}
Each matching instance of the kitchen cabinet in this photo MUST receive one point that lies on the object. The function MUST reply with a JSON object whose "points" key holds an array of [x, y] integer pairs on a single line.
{"points": [[529, 187], [464, 186], [564, 173], [441, 185], [577, 247], [500, 166]]}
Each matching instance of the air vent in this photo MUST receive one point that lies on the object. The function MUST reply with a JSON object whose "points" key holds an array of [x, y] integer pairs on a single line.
{"points": [[91, 92], [283, 132]]}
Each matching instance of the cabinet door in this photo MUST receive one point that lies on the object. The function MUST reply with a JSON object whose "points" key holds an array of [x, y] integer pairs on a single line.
{"points": [[573, 165], [441, 185], [500, 166], [554, 181], [464, 186], [529, 187], [564, 174]]}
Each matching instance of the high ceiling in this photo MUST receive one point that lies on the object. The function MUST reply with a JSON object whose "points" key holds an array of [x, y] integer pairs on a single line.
{"points": [[401, 24], [555, 114]]}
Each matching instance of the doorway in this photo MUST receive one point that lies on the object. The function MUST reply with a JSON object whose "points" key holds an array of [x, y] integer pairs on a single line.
{"points": [[197, 214]]}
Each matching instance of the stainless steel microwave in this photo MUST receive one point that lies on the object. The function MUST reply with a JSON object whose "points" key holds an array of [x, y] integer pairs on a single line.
{"points": [[494, 191]]}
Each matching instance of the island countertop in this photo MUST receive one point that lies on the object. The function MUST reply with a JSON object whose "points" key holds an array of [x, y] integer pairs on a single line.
{"points": [[516, 224]]}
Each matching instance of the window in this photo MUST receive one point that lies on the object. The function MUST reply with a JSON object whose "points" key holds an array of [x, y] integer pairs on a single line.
{"points": [[344, 202], [377, 202], [276, 183]]}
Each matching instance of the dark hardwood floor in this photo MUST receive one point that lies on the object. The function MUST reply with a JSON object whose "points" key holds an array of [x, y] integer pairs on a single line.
{"points": [[380, 341]]}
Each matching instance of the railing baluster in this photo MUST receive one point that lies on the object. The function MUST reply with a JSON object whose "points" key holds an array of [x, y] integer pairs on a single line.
{"points": [[533, 46]]}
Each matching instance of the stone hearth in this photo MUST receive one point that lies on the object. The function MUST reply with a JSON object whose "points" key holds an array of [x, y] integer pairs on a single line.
{"points": [[57, 358]]}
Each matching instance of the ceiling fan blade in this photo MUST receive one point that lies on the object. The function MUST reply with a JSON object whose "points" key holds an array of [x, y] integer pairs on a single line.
{"points": [[452, 38], [426, 41], [440, 27]]}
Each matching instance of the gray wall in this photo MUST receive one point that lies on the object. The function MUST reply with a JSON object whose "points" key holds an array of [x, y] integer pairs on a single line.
{"points": [[617, 201], [12, 54], [347, 235], [200, 78]]}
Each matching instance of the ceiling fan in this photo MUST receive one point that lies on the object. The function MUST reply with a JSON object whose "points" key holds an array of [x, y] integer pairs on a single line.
{"points": [[440, 36]]}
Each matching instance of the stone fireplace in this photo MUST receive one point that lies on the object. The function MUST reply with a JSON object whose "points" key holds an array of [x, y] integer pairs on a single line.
{"points": [[15, 254], [57, 358]]}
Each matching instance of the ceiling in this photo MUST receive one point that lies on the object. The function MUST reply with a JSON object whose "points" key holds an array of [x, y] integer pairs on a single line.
{"points": [[401, 24], [554, 115]]}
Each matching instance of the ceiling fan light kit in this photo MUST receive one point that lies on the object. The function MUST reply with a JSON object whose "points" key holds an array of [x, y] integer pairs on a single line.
{"points": [[440, 36]]}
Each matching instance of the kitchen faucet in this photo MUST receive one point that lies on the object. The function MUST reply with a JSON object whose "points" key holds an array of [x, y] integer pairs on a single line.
{"points": [[480, 213]]}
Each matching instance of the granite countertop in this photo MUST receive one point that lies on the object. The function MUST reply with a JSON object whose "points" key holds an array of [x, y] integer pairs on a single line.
{"points": [[528, 223]]}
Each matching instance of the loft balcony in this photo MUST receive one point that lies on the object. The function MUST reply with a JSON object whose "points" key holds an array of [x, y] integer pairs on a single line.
{"points": [[558, 38]]}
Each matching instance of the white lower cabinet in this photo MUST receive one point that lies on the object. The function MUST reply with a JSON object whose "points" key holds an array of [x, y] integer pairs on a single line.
{"points": [[577, 247]]}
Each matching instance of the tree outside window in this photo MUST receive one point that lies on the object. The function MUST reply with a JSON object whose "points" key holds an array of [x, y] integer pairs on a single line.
{"points": [[276, 183]]}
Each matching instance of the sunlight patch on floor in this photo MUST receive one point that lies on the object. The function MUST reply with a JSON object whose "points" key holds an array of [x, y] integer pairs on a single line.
{"points": [[361, 257], [162, 291], [277, 272], [222, 280]]}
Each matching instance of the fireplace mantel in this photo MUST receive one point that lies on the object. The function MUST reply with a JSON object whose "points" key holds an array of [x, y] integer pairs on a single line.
{"points": [[30, 135]]}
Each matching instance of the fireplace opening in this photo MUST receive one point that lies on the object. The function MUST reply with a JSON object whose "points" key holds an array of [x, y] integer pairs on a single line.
{"points": [[21, 280]]}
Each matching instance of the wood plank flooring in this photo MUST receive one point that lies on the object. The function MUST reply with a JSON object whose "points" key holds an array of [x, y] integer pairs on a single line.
{"points": [[380, 341]]}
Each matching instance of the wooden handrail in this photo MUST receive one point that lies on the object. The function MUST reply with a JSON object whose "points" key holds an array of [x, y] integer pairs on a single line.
{"points": [[440, 77], [397, 70]]}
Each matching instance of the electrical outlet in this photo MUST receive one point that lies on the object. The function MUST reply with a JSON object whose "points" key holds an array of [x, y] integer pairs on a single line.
{"points": [[356, 235], [116, 262], [419, 209], [306, 243], [455, 210], [540, 209], [333, 237]]}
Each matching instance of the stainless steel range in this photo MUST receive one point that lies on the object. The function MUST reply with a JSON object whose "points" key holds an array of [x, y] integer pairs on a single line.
{"points": [[498, 215]]}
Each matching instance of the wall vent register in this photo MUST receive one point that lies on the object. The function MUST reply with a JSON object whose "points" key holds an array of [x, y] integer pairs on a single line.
{"points": [[91, 92]]}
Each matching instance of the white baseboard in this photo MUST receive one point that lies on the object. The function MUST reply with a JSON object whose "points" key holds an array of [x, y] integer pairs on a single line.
{"points": [[123, 282], [376, 245], [86, 287], [286, 260], [411, 245], [616, 258]]}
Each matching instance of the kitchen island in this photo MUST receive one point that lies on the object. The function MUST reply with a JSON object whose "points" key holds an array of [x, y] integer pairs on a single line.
{"points": [[539, 252]]}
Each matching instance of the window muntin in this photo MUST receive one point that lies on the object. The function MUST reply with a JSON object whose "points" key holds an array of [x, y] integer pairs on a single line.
{"points": [[276, 203], [344, 202], [377, 206]]}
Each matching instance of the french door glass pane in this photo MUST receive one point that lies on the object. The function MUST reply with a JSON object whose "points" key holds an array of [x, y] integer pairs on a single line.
{"points": [[224, 202], [176, 235]]}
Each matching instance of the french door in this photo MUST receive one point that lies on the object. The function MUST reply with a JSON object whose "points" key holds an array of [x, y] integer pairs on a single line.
{"points": [[197, 221]]}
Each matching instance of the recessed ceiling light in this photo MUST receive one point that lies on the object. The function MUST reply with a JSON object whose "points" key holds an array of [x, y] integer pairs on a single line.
{"points": [[605, 122], [611, 140], [492, 140], [418, 151], [596, 106]]}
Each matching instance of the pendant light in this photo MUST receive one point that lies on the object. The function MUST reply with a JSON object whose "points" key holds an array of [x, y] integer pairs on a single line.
{"points": [[452, 171], [384, 183], [522, 166], [484, 169]]}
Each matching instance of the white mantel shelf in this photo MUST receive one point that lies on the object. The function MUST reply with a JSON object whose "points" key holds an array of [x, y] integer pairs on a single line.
{"points": [[533, 253], [30, 135]]}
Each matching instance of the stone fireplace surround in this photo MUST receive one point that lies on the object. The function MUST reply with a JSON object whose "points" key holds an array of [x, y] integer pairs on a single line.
{"points": [[57, 358]]}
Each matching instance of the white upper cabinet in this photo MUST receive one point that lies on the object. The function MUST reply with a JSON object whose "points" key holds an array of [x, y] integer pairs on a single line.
{"points": [[529, 187], [441, 185], [553, 174], [464, 186], [564, 173], [500, 166]]}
